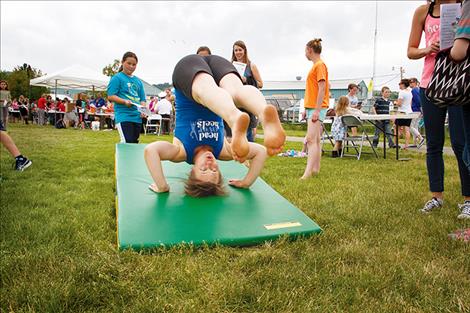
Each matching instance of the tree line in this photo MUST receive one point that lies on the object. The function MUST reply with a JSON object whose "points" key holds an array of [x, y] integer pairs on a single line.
{"points": [[18, 81]]}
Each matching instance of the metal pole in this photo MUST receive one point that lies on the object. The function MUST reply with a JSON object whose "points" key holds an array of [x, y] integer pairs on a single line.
{"points": [[375, 48]]}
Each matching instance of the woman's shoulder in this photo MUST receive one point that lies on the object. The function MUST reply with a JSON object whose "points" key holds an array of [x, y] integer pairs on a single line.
{"points": [[422, 10], [116, 77]]}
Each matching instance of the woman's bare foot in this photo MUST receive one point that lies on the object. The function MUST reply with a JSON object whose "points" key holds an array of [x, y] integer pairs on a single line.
{"points": [[274, 135], [239, 144], [306, 176]]}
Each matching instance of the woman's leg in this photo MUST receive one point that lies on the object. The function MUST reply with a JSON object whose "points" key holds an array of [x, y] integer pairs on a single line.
{"points": [[252, 100], [434, 118], [466, 124], [206, 92], [314, 148], [407, 136], [457, 139]]}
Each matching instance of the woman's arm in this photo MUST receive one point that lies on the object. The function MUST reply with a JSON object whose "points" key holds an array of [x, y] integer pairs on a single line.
{"points": [[116, 99], [258, 156], [459, 49], [156, 152], [257, 76], [417, 26]]}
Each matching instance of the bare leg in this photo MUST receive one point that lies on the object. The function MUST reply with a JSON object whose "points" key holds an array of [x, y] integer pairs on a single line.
{"points": [[252, 100], [338, 145], [9, 144], [314, 130], [206, 92], [407, 136]]}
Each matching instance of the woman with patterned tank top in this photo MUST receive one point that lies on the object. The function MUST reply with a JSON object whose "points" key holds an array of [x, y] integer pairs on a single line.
{"points": [[427, 19]]}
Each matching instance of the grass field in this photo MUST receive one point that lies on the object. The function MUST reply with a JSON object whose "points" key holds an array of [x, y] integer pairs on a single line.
{"points": [[377, 252]]}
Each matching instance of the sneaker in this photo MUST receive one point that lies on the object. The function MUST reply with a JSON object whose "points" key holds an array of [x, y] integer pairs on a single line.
{"points": [[431, 205], [461, 234], [421, 143], [465, 213], [334, 154], [22, 164]]}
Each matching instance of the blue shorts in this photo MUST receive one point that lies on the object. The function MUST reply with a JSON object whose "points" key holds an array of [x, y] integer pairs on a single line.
{"points": [[321, 117]]}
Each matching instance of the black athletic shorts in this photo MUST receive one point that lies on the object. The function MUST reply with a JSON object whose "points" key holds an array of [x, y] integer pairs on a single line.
{"points": [[189, 66], [2, 127], [129, 131], [403, 122]]}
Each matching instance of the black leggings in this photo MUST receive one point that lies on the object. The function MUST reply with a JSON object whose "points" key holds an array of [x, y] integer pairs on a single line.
{"points": [[434, 118], [188, 67]]}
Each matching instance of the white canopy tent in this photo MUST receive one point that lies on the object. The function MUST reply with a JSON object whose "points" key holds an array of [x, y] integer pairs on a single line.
{"points": [[73, 77]]}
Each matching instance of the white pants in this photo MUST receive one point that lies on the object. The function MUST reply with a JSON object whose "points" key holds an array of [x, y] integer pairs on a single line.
{"points": [[414, 128]]}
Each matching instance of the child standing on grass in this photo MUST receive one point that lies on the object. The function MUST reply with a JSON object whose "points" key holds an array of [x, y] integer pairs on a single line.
{"points": [[317, 95], [209, 90], [126, 91], [338, 129]]}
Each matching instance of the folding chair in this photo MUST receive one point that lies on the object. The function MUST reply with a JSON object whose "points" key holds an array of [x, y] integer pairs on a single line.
{"points": [[326, 135], [352, 121], [153, 121]]}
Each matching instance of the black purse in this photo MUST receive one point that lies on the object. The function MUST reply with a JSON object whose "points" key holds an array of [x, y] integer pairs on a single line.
{"points": [[450, 81]]}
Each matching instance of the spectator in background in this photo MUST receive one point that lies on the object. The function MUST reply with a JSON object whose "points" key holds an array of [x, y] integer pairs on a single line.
{"points": [[5, 100], [382, 106], [152, 104], [338, 129], [23, 107], [416, 108], [41, 109], [251, 77], [70, 116], [110, 119], [80, 107], [352, 92], [204, 51], [60, 108], [353, 102], [164, 108], [426, 19], [100, 102], [15, 114], [404, 106]]}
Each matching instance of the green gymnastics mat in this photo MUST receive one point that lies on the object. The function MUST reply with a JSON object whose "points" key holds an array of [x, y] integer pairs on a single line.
{"points": [[244, 217]]}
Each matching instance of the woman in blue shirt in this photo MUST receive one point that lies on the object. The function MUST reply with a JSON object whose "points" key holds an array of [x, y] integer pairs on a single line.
{"points": [[127, 93], [209, 90]]}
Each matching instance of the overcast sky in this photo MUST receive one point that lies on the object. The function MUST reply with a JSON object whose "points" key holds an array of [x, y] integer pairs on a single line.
{"points": [[54, 35]]}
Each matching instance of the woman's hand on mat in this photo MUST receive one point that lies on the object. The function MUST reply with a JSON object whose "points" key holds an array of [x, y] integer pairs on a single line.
{"points": [[238, 183], [155, 188]]}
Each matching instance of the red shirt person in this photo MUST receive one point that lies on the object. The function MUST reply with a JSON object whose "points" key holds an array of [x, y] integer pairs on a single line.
{"points": [[42, 103]]}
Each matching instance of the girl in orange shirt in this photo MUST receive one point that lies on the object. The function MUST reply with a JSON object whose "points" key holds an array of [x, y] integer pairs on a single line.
{"points": [[316, 104]]}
